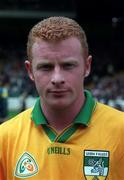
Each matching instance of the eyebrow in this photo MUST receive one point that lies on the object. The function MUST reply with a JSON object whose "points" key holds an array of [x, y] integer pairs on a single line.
{"points": [[41, 64], [49, 62], [69, 61]]}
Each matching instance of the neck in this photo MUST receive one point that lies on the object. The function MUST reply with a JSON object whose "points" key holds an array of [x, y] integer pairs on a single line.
{"points": [[61, 118]]}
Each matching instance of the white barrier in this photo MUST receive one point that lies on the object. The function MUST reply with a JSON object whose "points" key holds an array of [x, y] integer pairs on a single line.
{"points": [[16, 103]]}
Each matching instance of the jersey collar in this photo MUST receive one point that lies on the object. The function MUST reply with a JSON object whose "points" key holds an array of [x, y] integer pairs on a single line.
{"points": [[83, 116]]}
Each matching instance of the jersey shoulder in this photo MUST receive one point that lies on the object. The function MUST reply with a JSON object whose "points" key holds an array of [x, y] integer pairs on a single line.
{"points": [[12, 125], [109, 109], [109, 113]]}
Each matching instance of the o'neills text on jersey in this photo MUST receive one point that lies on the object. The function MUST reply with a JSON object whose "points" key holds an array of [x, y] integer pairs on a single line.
{"points": [[58, 150]]}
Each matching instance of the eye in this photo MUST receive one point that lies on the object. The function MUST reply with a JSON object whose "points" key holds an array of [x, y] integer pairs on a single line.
{"points": [[45, 67], [69, 65]]}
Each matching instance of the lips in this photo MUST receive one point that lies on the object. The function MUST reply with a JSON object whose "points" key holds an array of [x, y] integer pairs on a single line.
{"points": [[58, 92]]}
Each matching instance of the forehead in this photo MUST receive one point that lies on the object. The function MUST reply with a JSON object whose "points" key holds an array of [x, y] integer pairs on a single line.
{"points": [[63, 48]]}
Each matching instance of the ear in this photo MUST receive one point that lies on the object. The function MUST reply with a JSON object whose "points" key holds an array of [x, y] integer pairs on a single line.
{"points": [[28, 66], [88, 65]]}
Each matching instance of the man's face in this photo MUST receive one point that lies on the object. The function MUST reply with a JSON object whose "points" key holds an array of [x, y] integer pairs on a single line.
{"points": [[58, 70]]}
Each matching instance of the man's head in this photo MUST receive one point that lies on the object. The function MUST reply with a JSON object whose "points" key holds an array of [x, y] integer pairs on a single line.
{"points": [[55, 29], [58, 61]]}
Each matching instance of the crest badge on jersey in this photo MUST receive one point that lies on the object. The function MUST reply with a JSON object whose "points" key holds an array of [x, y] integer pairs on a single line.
{"points": [[96, 164], [26, 166]]}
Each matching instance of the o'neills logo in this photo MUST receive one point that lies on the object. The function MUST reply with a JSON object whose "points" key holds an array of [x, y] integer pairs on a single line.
{"points": [[58, 150], [96, 164], [26, 166]]}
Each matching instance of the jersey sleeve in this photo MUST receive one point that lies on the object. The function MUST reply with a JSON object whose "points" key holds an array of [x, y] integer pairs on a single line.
{"points": [[1, 173], [120, 154], [1, 169]]}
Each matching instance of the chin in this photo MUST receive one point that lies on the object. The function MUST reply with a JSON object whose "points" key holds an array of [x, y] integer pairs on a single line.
{"points": [[59, 106]]}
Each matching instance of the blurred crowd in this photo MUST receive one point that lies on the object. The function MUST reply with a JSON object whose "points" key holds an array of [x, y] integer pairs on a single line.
{"points": [[13, 74], [109, 90], [14, 82]]}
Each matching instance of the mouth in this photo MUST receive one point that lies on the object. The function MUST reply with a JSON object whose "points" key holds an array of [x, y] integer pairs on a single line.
{"points": [[58, 92]]}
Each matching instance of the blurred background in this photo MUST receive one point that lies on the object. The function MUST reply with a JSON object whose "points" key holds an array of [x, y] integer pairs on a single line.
{"points": [[103, 22]]}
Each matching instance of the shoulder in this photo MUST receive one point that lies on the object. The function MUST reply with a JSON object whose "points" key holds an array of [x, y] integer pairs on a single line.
{"points": [[20, 120], [111, 110], [109, 117], [109, 114], [108, 121]]}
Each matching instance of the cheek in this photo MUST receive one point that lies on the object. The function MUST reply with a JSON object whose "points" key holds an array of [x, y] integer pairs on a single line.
{"points": [[76, 80], [41, 81]]}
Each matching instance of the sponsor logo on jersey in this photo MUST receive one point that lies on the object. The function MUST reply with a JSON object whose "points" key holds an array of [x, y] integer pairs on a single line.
{"points": [[96, 164], [26, 166], [58, 150]]}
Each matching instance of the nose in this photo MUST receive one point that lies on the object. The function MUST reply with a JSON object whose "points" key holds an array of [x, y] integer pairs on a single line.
{"points": [[57, 77]]}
